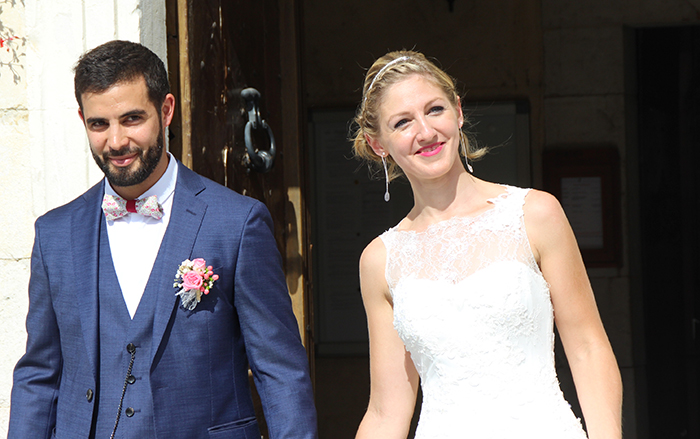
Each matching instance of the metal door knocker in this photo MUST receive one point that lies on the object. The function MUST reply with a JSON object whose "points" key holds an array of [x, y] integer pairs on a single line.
{"points": [[257, 159]]}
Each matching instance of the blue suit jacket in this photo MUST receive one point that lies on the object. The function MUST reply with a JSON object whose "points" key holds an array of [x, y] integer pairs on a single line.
{"points": [[199, 361]]}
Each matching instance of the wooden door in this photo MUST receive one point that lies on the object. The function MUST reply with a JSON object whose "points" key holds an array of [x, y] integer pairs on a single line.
{"points": [[216, 48]]}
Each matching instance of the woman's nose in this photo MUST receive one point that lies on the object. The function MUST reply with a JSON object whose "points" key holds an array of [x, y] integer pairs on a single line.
{"points": [[425, 129]]}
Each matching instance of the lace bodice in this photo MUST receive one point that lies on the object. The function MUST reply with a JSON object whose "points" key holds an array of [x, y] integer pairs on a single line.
{"points": [[474, 311]]}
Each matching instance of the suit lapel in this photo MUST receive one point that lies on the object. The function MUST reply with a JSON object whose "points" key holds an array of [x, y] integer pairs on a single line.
{"points": [[178, 242], [86, 221]]}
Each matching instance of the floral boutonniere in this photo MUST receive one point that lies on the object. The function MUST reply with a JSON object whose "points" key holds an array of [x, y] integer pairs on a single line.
{"points": [[193, 279]]}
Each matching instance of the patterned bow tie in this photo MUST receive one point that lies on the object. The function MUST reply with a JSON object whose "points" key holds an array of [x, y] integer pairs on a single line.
{"points": [[116, 207]]}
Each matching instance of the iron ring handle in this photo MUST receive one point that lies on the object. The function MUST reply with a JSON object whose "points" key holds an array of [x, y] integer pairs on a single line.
{"points": [[251, 97], [260, 160]]}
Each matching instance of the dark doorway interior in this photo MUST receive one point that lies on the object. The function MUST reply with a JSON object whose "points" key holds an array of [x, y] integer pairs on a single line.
{"points": [[668, 66]]}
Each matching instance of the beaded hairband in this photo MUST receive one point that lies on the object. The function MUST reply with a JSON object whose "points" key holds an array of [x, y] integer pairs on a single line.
{"points": [[379, 73]]}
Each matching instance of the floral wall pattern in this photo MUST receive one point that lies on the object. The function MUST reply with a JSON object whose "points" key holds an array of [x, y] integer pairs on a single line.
{"points": [[11, 46]]}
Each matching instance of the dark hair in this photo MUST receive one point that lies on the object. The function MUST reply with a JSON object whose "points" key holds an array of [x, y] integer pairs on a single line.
{"points": [[121, 61]]}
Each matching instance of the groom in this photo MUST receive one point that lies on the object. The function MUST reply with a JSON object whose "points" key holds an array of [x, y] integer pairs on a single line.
{"points": [[153, 293]]}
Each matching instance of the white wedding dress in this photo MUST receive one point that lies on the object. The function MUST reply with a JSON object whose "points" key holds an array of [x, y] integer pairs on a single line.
{"points": [[474, 311]]}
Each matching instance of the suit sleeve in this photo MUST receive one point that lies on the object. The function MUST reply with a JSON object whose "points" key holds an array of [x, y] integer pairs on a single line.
{"points": [[37, 374], [271, 335]]}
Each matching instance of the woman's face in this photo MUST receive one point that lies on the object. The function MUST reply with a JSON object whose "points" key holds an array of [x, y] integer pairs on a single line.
{"points": [[419, 128]]}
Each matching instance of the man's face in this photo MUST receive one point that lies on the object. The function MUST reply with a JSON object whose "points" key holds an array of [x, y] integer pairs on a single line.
{"points": [[125, 132]]}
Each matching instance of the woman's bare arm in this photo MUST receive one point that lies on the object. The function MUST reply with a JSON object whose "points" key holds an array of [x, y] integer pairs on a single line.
{"points": [[394, 380], [593, 365]]}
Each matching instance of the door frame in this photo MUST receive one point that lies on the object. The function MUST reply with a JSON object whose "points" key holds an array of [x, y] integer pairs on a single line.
{"points": [[296, 218]]}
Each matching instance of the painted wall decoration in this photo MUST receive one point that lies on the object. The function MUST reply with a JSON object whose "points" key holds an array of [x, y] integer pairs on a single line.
{"points": [[11, 46]]}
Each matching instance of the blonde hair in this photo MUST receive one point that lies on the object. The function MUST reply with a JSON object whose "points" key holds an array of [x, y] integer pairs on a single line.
{"points": [[385, 72]]}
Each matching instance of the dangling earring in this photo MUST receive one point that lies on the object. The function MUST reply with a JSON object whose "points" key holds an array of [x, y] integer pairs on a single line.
{"points": [[386, 175], [466, 157]]}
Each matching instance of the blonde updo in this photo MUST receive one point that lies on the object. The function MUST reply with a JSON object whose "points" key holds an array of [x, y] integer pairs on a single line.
{"points": [[385, 72]]}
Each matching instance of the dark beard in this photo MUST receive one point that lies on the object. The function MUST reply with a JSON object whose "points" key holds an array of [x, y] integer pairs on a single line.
{"points": [[147, 162]]}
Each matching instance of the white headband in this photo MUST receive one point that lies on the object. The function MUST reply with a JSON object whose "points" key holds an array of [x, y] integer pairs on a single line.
{"points": [[379, 73]]}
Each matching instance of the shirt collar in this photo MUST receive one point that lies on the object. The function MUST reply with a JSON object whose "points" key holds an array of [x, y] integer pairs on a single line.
{"points": [[163, 188]]}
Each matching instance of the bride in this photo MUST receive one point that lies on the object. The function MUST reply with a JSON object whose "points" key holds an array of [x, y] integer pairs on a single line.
{"points": [[463, 294]]}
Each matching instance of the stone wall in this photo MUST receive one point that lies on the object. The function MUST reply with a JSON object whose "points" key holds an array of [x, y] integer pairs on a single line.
{"points": [[16, 232]]}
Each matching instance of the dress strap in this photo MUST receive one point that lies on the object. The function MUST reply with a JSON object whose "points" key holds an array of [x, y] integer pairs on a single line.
{"points": [[388, 239], [512, 200]]}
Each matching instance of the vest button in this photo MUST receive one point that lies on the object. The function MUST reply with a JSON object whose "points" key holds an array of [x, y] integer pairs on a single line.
{"points": [[130, 379], [130, 348], [129, 412], [88, 395]]}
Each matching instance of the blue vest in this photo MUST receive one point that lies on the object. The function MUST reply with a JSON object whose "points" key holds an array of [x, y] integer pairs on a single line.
{"points": [[119, 337]]}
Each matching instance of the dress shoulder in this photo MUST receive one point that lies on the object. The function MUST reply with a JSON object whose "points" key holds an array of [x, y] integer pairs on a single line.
{"points": [[512, 196]]}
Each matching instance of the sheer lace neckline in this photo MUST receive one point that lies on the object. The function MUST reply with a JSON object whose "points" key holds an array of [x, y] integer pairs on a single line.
{"points": [[494, 201], [455, 248]]}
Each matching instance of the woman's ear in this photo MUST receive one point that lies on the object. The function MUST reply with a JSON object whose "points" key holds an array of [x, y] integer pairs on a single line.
{"points": [[376, 147], [459, 113]]}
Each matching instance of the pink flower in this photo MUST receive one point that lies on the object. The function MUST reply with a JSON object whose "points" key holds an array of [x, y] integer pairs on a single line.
{"points": [[192, 280], [199, 264]]}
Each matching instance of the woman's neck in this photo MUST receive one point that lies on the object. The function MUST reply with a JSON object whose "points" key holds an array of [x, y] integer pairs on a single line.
{"points": [[444, 198]]}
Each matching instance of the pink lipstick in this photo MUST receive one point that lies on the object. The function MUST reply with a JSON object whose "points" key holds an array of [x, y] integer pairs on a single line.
{"points": [[430, 150]]}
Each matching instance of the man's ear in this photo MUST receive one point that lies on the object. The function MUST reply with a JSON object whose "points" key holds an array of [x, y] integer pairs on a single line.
{"points": [[376, 146], [167, 110], [80, 114]]}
